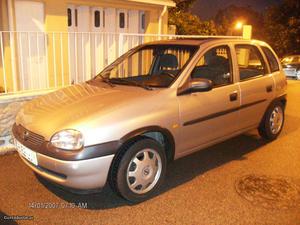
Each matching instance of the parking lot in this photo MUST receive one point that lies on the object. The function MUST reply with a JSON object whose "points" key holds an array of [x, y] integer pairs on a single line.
{"points": [[244, 180]]}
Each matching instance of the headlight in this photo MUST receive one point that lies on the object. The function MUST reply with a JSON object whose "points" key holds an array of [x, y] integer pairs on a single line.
{"points": [[68, 140]]}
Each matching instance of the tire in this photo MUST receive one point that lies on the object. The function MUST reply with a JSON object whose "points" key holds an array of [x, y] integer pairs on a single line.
{"points": [[272, 122], [138, 170]]}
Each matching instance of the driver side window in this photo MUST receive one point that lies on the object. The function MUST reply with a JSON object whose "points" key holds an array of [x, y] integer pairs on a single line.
{"points": [[215, 65]]}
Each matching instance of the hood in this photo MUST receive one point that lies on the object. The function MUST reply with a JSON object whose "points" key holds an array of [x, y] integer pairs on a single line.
{"points": [[58, 110]]}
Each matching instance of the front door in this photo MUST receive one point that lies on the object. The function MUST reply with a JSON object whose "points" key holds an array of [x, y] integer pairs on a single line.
{"points": [[208, 116]]}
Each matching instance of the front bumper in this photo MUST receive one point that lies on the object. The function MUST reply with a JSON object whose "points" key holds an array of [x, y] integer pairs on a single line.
{"points": [[85, 169], [84, 174]]}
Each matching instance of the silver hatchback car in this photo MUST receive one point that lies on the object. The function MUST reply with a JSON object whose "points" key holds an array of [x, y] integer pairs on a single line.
{"points": [[158, 102], [291, 66]]}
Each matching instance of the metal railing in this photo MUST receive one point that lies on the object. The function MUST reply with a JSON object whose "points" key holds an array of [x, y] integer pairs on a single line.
{"points": [[39, 60]]}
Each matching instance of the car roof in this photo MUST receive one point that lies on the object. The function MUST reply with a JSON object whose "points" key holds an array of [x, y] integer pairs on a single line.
{"points": [[201, 40]]}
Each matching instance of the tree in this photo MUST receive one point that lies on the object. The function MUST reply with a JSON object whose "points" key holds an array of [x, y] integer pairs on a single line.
{"points": [[226, 19], [187, 23], [183, 5], [282, 27]]}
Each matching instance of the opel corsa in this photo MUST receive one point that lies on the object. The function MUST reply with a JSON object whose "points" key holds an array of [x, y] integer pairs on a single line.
{"points": [[158, 102]]}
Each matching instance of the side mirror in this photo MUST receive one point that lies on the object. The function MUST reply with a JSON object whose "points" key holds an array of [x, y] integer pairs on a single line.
{"points": [[196, 85], [200, 85]]}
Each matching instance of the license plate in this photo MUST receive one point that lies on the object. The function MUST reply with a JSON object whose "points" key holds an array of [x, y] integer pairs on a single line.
{"points": [[26, 153]]}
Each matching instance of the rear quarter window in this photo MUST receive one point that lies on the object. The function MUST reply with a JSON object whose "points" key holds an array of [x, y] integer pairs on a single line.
{"points": [[272, 60]]}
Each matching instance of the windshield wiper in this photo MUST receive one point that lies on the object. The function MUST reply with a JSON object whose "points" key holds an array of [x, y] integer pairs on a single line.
{"points": [[105, 80], [137, 84]]}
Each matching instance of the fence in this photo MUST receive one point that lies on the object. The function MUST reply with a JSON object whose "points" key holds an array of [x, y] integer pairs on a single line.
{"points": [[38, 60]]}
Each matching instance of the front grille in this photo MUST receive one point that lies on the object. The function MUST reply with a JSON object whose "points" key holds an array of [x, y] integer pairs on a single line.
{"points": [[27, 136]]}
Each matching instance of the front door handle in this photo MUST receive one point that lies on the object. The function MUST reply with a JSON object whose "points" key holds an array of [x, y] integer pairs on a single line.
{"points": [[233, 96], [269, 88]]}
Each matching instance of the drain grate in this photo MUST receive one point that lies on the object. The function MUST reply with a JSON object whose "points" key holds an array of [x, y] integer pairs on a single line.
{"points": [[269, 192]]}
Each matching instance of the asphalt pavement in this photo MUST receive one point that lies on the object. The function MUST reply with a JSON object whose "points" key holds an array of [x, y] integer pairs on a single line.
{"points": [[244, 180]]}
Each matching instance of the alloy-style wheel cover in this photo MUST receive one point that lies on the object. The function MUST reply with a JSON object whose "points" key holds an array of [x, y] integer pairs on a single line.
{"points": [[276, 120], [144, 171]]}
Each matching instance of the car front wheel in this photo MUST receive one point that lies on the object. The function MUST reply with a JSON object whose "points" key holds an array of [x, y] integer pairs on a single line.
{"points": [[138, 170]]}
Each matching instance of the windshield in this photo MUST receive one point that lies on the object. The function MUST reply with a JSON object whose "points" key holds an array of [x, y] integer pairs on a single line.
{"points": [[149, 66], [291, 60]]}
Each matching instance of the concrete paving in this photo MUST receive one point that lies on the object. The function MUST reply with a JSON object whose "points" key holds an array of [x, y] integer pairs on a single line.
{"points": [[200, 189]]}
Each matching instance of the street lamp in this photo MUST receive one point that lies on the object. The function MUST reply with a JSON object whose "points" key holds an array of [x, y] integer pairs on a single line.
{"points": [[239, 28], [239, 25]]}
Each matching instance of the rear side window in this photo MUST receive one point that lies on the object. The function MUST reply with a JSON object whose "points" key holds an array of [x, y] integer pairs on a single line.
{"points": [[271, 59], [250, 62]]}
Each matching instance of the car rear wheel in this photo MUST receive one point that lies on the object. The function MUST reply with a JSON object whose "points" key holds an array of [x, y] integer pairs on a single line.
{"points": [[272, 122], [138, 170]]}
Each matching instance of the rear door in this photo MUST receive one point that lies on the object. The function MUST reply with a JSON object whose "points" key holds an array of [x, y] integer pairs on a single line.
{"points": [[256, 84]]}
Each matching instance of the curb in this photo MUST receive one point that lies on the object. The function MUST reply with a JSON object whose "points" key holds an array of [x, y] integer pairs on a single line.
{"points": [[6, 147], [7, 150]]}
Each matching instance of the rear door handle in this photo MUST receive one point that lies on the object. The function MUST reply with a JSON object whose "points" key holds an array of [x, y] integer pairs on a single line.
{"points": [[269, 88], [233, 96]]}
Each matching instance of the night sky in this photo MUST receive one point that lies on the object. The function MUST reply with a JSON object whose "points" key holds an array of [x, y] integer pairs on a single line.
{"points": [[207, 9]]}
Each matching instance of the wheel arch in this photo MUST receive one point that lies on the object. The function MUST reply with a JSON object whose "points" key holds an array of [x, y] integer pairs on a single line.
{"points": [[161, 135], [282, 99]]}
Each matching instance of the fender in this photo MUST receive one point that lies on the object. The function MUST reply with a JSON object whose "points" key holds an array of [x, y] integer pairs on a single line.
{"points": [[168, 137]]}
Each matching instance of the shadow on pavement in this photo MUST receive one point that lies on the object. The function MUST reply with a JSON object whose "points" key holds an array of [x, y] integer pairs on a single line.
{"points": [[179, 172], [185, 169]]}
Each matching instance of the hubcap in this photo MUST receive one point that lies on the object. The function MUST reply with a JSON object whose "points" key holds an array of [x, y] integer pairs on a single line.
{"points": [[143, 171], [276, 120]]}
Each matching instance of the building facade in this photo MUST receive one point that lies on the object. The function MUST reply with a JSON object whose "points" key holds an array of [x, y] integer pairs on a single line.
{"points": [[47, 44], [70, 41]]}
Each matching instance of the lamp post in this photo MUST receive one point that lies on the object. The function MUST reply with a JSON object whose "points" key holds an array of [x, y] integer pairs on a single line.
{"points": [[237, 28], [239, 25], [241, 28]]}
